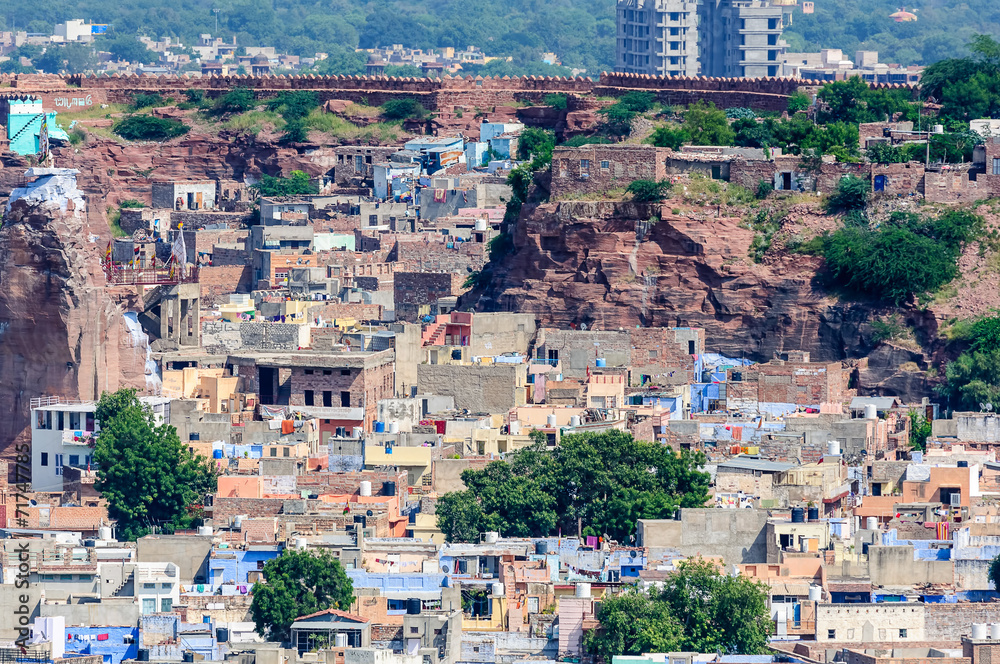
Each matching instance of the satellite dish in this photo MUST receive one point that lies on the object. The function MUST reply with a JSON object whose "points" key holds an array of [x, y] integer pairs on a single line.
{"points": [[989, 406], [371, 513], [444, 568]]}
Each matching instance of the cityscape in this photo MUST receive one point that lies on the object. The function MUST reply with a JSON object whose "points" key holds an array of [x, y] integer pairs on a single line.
{"points": [[633, 332]]}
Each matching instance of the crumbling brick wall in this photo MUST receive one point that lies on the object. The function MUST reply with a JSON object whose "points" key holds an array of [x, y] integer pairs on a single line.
{"points": [[411, 290]]}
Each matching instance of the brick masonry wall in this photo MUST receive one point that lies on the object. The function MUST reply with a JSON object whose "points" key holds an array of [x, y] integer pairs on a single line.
{"points": [[218, 281], [333, 310], [949, 622], [413, 289], [223, 256], [435, 255], [579, 170]]}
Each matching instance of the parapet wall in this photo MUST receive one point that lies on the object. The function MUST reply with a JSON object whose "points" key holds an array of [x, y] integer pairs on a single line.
{"points": [[435, 94]]}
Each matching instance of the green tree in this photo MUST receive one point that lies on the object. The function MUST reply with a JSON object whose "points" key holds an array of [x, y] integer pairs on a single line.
{"points": [[718, 612], [557, 101], [994, 573], [708, 125], [403, 109], [149, 128], [459, 514], [514, 502], [536, 144], [637, 102], [920, 431], [297, 183], [633, 623], [294, 105], [648, 191], [128, 49], [669, 136], [852, 193], [237, 100], [617, 119], [973, 378], [298, 583], [798, 101], [699, 609], [884, 153], [295, 131], [149, 479]]}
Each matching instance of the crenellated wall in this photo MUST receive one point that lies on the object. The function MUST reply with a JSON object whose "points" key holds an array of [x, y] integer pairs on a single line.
{"points": [[435, 94]]}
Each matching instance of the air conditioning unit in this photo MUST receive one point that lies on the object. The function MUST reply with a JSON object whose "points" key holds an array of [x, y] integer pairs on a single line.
{"points": [[955, 500]]}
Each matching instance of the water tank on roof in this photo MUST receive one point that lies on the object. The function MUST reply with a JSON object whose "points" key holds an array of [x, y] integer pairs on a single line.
{"points": [[871, 413], [574, 421], [413, 607], [205, 531], [218, 454], [515, 428], [813, 514], [340, 640], [366, 488], [379, 427], [798, 515], [491, 538], [300, 543], [550, 420], [815, 593], [393, 427], [498, 590], [143, 655], [833, 448], [104, 533], [188, 656], [601, 362], [238, 521], [963, 464], [978, 631], [357, 432], [222, 635], [582, 589], [871, 523], [995, 630], [388, 488], [542, 548], [480, 224], [937, 129]]}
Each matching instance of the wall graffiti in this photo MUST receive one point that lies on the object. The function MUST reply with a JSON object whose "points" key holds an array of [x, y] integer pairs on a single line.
{"points": [[74, 102]]}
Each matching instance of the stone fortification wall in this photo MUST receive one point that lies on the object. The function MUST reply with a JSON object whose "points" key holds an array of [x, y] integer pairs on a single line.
{"points": [[435, 94]]}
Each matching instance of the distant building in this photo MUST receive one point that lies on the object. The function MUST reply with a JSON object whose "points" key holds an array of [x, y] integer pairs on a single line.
{"points": [[726, 38], [657, 37]]}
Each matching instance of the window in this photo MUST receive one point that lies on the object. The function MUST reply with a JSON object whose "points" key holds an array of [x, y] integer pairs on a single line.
{"points": [[308, 397], [532, 605], [328, 399], [284, 451], [308, 372], [553, 354], [149, 586], [584, 168], [59, 420], [45, 458], [831, 634], [996, 165], [345, 399], [59, 464], [652, 354], [605, 164], [902, 633], [437, 632], [691, 348], [74, 459], [274, 451], [327, 372], [373, 220], [148, 605], [345, 372], [414, 630], [396, 604]]}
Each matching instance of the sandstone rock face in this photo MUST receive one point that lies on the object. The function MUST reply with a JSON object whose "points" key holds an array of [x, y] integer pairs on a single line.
{"points": [[61, 331], [603, 265]]}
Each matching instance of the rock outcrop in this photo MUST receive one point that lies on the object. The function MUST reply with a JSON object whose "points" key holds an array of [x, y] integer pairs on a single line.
{"points": [[61, 330], [606, 265]]}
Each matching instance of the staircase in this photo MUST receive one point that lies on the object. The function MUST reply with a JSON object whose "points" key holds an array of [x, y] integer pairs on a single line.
{"points": [[433, 334], [25, 127], [128, 579]]}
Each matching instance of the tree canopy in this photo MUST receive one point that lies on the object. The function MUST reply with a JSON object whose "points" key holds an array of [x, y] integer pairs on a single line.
{"points": [[607, 480], [148, 477], [298, 583], [698, 609]]}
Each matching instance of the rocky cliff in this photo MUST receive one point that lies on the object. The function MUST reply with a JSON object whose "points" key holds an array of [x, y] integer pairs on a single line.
{"points": [[61, 330], [614, 264]]}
